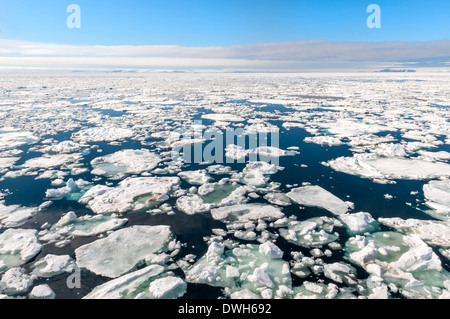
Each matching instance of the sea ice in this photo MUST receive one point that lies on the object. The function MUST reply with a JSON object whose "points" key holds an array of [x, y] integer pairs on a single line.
{"points": [[246, 212], [123, 162], [18, 246], [405, 261], [15, 281], [437, 194], [121, 251], [42, 292], [383, 169], [133, 193], [435, 233], [52, 265], [359, 223], [14, 215], [313, 232], [243, 271], [318, 197], [195, 177], [102, 134]]}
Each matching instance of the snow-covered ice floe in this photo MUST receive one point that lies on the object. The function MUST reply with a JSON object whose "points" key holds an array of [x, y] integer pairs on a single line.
{"points": [[385, 169], [125, 249], [102, 134], [150, 282], [245, 271], [70, 226], [18, 246], [123, 162], [318, 197], [402, 262], [133, 193]]}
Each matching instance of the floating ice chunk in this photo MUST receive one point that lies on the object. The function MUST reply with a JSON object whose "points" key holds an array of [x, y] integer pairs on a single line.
{"points": [[195, 177], [193, 204], [318, 197], [219, 169], [382, 169], [65, 147], [127, 286], [123, 162], [341, 273], [51, 161], [359, 223], [15, 281], [255, 173], [131, 194], [437, 194], [223, 117], [250, 272], [314, 232], [432, 232], [14, 215], [279, 199], [316, 290], [18, 246], [121, 251], [270, 250], [405, 261], [42, 292], [52, 265], [260, 126], [10, 138], [441, 155], [102, 134], [379, 293], [168, 288], [236, 152], [391, 150], [246, 212], [324, 140], [6, 162], [80, 186], [271, 151]]}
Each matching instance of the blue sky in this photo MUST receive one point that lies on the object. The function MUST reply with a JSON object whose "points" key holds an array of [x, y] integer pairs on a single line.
{"points": [[223, 34], [222, 22]]}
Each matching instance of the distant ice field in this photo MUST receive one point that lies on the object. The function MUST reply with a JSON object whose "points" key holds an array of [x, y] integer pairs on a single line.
{"points": [[166, 186]]}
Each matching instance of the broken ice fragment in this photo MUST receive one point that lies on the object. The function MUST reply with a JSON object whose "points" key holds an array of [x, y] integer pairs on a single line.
{"points": [[318, 197], [121, 251]]}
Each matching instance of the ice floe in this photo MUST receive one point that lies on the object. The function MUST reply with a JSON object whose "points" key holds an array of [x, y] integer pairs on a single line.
{"points": [[246, 269], [149, 282], [42, 292], [14, 215], [313, 232], [404, 261], [18, 246], [384, 169], [102, 134], [123, 162], [318, 197], [133, 193], [124, 249], [15, 281], [53, 265], [435, 233], [359, 223]]}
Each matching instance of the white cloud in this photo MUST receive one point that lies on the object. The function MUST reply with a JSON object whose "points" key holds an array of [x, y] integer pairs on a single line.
{"points": [[277, 55]]}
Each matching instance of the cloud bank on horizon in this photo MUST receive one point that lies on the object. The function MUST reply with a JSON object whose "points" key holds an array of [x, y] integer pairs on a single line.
{"points": [[298, 55]]}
